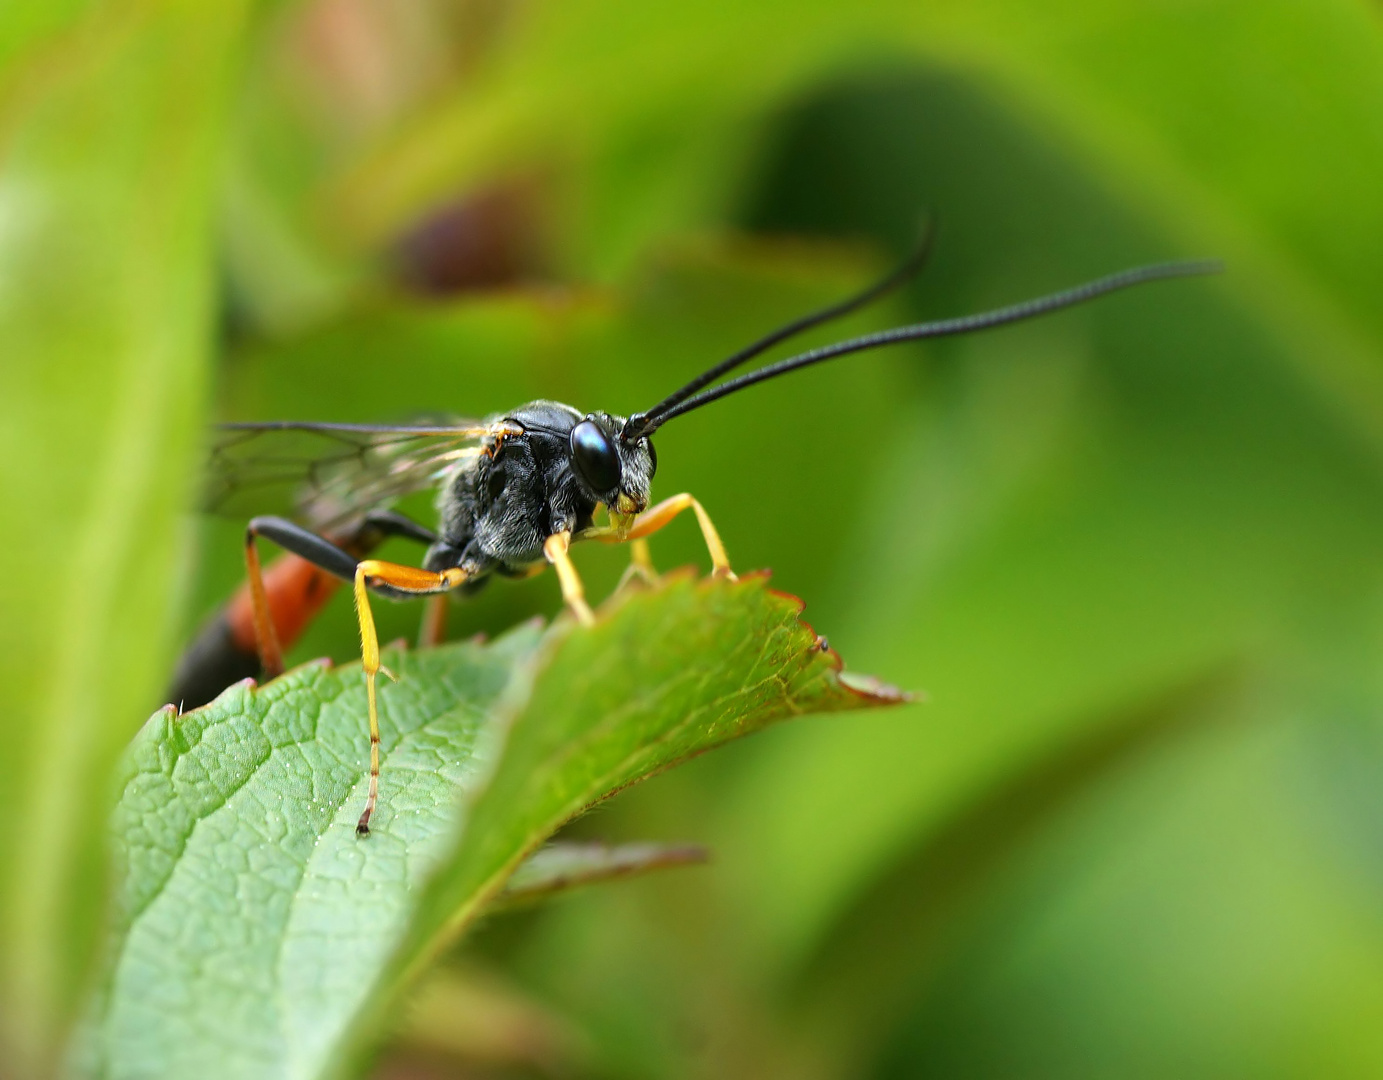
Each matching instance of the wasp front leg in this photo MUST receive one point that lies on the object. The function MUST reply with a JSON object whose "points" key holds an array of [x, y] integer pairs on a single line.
{"points": [[557, 549], [640, 565], [656, 517]]}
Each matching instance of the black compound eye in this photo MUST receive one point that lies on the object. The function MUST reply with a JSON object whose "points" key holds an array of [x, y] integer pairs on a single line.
{"points": [[652, 460], [595, 456]]}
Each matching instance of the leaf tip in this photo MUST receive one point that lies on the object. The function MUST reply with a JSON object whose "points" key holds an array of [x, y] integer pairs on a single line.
{"points": [[874, 689], [869, 688]]}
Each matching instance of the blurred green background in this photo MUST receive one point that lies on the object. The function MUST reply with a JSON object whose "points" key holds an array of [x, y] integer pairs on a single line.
{"points": [[1131, 554]]}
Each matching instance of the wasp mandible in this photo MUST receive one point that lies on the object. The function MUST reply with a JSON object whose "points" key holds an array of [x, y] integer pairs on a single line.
{"points": [[515, 491]]}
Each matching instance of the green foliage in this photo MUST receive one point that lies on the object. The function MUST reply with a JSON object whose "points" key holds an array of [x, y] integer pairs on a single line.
{"points": [[1131, 553], [255, 928], [109, 136]]}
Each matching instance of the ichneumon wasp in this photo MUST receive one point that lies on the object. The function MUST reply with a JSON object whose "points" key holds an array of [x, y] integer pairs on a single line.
{"points": [[514, 492]]}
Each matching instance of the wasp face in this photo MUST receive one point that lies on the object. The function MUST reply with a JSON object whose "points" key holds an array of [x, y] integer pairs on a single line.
{"points": [[613, 471]]}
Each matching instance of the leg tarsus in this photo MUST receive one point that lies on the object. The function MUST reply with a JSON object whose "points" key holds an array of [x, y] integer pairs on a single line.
{"points": [[362, 827], [369, 659]]}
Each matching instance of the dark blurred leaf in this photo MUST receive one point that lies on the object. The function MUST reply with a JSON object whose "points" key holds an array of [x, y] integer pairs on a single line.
{"points": [[566, 865], [109, 137], [1187, 915], [476, 1019], [256, 931], [890, 944]]}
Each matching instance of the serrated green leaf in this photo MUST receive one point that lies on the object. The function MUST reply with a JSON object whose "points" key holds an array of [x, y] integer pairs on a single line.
{"points": [[257, 934]]}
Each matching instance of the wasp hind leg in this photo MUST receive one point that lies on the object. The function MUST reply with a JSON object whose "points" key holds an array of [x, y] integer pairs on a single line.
{"points": [[285, 599], [397, 579], [321, 553], [366, 574]]}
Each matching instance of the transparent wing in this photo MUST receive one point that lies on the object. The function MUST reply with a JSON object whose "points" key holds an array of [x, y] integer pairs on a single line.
{"points": [[328, 475]]}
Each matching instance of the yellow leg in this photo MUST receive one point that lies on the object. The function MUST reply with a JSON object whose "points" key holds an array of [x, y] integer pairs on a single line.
{"points": [[654, 518], [405, 579], [556, 548], [640, 565]]}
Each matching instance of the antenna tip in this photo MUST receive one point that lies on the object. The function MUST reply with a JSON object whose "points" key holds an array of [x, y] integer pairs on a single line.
{"points": [[1205, 266], [1186, 268]]}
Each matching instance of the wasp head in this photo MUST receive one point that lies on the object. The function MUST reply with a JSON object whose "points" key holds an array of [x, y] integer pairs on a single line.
{"points": [[615, 471]]}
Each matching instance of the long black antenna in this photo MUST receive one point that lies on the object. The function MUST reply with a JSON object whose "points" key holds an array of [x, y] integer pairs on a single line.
{"points": [[965, 324], [639, 424]]}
